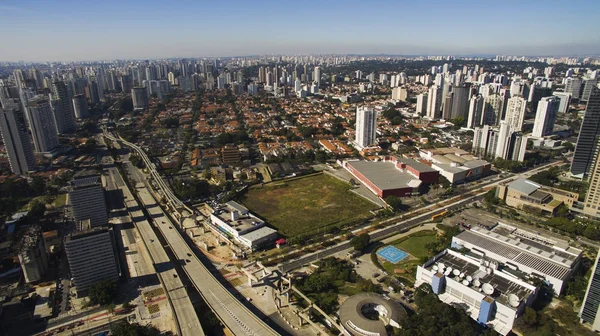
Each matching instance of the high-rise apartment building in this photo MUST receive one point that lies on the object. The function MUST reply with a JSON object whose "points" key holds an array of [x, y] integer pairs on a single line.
{"points": [[515, 112], [545, 116], [434, 102], [15, 138], [588, 85], [80, 107], [573, 87], [139, 95], [589, 135], [400, 93], [42, 125], [590, 312], [63, 108], [366, 127], [87, 199], [91, 256], [460, 100], [33, 256], [475, 117], [422, 104]]}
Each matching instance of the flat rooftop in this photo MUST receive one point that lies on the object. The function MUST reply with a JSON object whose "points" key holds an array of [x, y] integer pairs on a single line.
{"points": [[385, 175], [503, 286], [523, 248], [244, 220]]}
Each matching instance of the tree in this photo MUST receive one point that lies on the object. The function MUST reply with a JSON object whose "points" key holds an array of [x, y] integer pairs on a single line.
{"points": [[102, 292], [458, 122], [37, 210], [125, 328], [394, 202], [360, 242], [530, 316], [111, 308]]}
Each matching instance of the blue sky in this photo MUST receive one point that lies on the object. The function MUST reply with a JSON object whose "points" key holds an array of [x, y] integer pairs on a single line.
{"points": [[97, 30]]}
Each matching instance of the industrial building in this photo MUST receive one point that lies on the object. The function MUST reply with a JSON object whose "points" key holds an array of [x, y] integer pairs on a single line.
{"points": [[527, 253], [392, 175], [491, 295], [237, 222], [496, 271], [526, 194], [33, 256], [455, 164], [91, 255]]}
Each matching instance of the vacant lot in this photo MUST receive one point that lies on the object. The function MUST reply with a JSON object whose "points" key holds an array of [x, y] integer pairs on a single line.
{"points": [[307, 204]]}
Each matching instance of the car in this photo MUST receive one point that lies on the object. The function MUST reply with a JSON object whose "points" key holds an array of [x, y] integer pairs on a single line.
{"points": [[170, 227], [174, 275], [187, 260], [189, 254]]}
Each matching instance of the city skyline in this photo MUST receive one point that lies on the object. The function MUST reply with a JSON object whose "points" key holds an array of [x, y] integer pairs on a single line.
{"points": [[72, 31]]}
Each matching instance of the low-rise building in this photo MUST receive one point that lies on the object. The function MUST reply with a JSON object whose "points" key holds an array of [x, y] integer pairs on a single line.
{"points": [[492, 296], [392, 176], [525, 252], [528, 195], [455, 164], [237, 222]]}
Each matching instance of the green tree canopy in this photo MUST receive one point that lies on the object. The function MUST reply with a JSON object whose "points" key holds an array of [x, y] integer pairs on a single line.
{"points": [[125, 328], [360, 242], [394, 202], [102, 292]]}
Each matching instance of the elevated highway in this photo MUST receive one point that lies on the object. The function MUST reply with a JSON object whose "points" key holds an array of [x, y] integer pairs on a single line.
{"points": [[187, 320], [228, 308]]}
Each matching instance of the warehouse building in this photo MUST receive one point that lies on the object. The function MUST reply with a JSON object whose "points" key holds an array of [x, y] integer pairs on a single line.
{"points": [[392, 176], [455, 164]]}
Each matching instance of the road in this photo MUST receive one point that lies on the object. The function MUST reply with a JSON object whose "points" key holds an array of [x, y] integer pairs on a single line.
{"points": [[187, 320], [408, 223], [232, 313]]}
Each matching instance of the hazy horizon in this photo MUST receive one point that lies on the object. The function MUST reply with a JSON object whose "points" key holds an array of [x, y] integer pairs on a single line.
{"points": [[47, 31]]}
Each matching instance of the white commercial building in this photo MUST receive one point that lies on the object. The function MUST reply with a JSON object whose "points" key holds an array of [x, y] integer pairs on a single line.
{"points": [[366, 127], [492, 295], [527, 253], [545, 116], [237, 222]]}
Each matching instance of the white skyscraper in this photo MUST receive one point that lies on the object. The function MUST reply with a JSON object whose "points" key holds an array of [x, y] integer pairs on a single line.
{"points": [[434, 102], [422, 104], [317, 76], [545, 116], [366, 127], [42, 125], [515, 112], [475, 111]]}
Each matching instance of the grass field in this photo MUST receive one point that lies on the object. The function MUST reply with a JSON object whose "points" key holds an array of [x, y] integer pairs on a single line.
{"points": [[306, 204], [416, 245]]}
